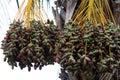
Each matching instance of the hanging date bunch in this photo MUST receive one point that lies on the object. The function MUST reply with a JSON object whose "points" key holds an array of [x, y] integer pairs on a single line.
{"points": [[33, 47], [90, 50]]}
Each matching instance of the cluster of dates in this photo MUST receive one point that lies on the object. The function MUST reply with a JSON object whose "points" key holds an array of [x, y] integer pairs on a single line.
{"points": [[33, 47], [93, 49]]}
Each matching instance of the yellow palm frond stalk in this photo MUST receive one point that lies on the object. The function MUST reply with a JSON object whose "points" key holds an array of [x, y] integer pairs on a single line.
{"points": [[31, 11], [95, 11]]}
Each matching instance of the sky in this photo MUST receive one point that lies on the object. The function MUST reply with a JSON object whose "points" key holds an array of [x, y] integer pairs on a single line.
{"points": [[8, 10]]}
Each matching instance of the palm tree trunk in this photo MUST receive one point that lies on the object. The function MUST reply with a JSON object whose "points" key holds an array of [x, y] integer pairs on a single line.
{"points": [[116, 11]]}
